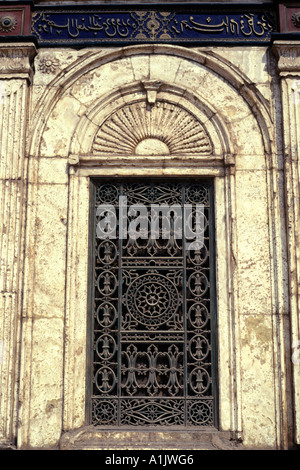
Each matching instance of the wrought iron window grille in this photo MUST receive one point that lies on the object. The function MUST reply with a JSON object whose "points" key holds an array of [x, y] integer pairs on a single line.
{"points": [[153, 319]]}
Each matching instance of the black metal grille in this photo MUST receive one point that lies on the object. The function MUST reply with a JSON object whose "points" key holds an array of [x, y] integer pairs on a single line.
{"points": [[154, 324]]}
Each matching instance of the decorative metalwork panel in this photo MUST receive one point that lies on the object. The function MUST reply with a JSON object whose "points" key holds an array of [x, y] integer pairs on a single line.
{"points": [[174, 24], [154, 323]]}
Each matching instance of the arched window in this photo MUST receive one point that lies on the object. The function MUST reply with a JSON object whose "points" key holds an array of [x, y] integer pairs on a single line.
{"points": [[154, 316]]}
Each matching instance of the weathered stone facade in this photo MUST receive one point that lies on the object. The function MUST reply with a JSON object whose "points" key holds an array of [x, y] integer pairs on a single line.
{"points": [[54, 105]]}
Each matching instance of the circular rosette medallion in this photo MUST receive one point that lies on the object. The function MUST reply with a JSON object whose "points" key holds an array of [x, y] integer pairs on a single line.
{"points": [[152, 299], [200, 412]]}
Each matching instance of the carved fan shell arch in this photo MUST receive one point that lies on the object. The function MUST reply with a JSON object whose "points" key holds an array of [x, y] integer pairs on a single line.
{"points": [[161, 129]]}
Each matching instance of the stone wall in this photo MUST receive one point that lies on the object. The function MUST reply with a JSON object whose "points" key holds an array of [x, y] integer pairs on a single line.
{"points": [[54, 103]]}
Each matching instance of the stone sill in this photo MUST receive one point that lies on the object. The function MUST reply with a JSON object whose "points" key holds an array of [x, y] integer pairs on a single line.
{"points": [[7, 446], [98, 438]]}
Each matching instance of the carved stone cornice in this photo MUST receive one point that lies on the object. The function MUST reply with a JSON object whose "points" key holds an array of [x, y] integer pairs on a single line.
{"points": [[288, 56], [16, 60]]}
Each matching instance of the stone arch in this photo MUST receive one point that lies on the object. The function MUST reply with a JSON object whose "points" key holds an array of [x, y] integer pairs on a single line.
{"points": [[162, 129], [199, 62], [206, 87], [183, 124]]}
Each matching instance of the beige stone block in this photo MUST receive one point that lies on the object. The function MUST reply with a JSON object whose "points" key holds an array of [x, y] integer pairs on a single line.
{"points": [[50, 251], [191, 75], [76, 303], [102, 80], [164, 67], [141, 67], [46, 382], [8, 361], [95, 438], [279, 242], [251, 162], [10, 216], [266, 91], [213, 89], [83, 88], [257, 371], [223, 284], [246, 135], [253, 250], [251, 61], [255, 287], [60, 127], [53, 170], [49, 170]]}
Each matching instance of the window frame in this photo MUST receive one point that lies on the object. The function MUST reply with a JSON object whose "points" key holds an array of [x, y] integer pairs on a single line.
{"points": [[213, 296]]}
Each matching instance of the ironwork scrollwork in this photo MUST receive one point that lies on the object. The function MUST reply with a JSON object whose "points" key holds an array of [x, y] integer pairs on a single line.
{"points": [[152, 333]]}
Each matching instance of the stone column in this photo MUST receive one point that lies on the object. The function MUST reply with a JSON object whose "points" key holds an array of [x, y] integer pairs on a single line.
{"points": [[288, 54], [15, 76]]}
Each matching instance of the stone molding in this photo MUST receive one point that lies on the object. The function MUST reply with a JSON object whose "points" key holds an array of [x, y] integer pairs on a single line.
{"points": [[89, 438], [15, 70], [138, 122], [16, 60], [288, 55], [162, 129], [92, 60]]}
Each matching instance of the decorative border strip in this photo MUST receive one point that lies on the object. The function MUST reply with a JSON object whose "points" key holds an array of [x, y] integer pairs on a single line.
{"points": [[163, 24]]}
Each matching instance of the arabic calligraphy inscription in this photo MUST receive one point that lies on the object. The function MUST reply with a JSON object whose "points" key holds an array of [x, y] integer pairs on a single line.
{"points": [[141, 26]]}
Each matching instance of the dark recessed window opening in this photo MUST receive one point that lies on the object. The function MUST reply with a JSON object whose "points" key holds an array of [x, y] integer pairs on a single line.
{"points": [[153, 359]]}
